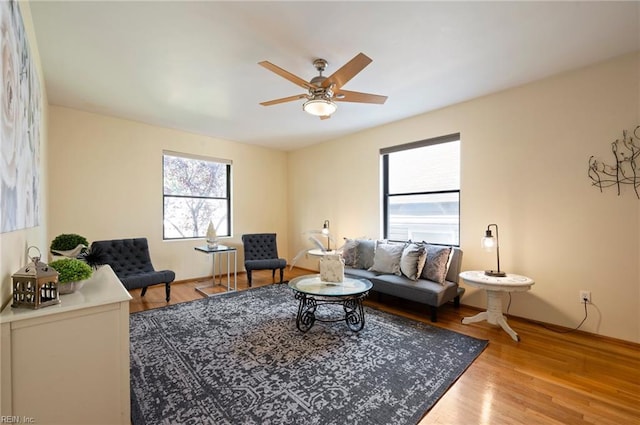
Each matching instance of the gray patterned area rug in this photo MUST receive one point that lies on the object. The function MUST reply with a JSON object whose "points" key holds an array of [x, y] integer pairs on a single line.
{"points": [[238, 358]]}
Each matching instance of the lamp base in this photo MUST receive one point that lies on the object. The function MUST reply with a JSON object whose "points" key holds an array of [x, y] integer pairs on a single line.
{"points": [[495, 273]]}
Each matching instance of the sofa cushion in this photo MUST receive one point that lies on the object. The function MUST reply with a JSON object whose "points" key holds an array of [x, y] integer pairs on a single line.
{"points": [[273, 263], [361, 273], [364, 253], [421, 290], [350, 252], [412, 260], [387, 258], [141, 280], [437, 265]]}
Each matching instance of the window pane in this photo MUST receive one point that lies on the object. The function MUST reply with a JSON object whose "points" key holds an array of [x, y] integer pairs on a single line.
{"points": [[196, 191], [189, 217], [193, 177], [422, 183], [432, 218], [425, 169]]}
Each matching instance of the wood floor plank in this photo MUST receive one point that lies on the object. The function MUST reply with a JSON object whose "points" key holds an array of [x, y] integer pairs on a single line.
{"points": [[546, 378]]}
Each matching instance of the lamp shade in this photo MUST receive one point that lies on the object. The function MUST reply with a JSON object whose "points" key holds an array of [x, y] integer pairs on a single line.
{"points": [[325, 231], [320, 107], [325, 227], [488, 242]]}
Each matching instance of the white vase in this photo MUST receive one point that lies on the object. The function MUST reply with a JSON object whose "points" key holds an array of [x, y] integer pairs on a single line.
{"points": [[332, 268], [212, 236], [70, 287], [72, 253]]}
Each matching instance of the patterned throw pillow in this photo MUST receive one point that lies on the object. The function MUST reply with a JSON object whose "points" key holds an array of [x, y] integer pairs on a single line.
{"points": [[412, 261], [387, 258], [365, 252], [350, 252], [437, 264]]}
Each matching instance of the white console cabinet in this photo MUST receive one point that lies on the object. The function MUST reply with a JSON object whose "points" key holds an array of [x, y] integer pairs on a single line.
{"points": [[68, 363]]}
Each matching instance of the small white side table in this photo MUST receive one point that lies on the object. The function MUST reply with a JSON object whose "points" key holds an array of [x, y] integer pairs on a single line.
{"points": [[495, 287]]}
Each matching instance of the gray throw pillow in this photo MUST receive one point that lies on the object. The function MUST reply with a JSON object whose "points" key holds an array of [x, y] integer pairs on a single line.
{"points": [[350, 252], [365, 252], [437, 264], [412, 261], [387, 258]]}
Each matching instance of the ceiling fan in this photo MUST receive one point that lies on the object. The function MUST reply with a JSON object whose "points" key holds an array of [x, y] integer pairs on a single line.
{"points": [[323, 91]]}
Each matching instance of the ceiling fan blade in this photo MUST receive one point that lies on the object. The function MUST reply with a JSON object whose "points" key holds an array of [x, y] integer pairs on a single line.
{"points": [[325, 117], [348, 71], [284, 99], [354, 96], [286, 74]]}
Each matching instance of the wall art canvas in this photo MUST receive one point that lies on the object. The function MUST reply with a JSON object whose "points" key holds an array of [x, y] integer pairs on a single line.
{"points": [[20, 118]]}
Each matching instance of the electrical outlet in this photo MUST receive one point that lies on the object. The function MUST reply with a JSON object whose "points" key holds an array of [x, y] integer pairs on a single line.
{"points": [[585, 295]]}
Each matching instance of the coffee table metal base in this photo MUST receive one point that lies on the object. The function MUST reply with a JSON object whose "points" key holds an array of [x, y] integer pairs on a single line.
{"points": [[352, 306]]}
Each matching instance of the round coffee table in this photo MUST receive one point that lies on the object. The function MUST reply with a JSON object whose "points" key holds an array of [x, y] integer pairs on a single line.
{"points": [[495, 287], [313, 292]]}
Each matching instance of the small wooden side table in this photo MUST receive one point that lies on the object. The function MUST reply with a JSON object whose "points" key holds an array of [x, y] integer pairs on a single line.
{"points": [[495, 287]]}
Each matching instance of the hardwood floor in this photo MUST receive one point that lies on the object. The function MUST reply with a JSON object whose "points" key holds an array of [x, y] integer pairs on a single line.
{"points": [[546, 378]]}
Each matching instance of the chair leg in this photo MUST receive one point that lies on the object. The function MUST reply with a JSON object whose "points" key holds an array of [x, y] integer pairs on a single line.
{"points": [[456, 302], [167, 289], [273, 275], [144, 291], [282, 275], [249, 276], [434, 313]]}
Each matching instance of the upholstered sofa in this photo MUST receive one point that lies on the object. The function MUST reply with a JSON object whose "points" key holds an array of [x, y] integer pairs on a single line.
{"points": [[419, 272], [130, 261]]}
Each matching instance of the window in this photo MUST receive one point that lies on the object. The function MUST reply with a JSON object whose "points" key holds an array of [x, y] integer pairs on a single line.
{"points": [[196, 190], [421, 191]]}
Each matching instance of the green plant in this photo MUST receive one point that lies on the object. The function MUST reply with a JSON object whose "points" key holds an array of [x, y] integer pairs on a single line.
{"points": [[67, 241], [71, 270]]}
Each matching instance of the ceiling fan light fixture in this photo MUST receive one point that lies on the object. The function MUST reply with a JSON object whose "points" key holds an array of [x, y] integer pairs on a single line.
{"points": [[320, 107]]}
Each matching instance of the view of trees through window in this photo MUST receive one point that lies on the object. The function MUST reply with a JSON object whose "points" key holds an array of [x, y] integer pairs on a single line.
{"points": [[421, 191], [196, 191]]}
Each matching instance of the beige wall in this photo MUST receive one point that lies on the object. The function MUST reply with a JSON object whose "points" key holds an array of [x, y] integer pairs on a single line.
{"points": [[106, 183], [13, 245], [524, 166], [524, 155]]}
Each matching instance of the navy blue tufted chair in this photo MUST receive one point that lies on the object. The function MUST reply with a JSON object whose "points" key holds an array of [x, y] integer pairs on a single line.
{"points": [[130, 260], [261, 253]]}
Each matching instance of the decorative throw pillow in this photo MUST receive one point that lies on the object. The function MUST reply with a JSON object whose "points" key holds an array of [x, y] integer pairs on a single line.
{"points": [[350, 252], [365, 252], [387, 258], [412, 261], [437, 264]]}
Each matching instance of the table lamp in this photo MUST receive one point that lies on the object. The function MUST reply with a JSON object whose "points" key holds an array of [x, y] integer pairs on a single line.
{"points": [[488, 242], [325, 231]]}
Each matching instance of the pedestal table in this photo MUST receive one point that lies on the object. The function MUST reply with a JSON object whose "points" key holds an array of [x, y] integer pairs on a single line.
{"points": [[495, 287]]}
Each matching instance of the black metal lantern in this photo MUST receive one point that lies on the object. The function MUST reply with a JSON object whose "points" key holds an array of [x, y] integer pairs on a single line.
{"points": [[35, 285]]}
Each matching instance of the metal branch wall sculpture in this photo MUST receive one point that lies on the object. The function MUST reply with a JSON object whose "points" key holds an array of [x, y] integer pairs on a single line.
{"points": [[625, 170]]}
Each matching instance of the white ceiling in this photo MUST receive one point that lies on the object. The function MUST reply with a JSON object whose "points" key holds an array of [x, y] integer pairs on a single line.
{"points": [[193, 65]]}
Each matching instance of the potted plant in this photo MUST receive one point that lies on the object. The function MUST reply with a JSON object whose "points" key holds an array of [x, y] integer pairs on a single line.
{"points": [[68, 245], [72, 274]]}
